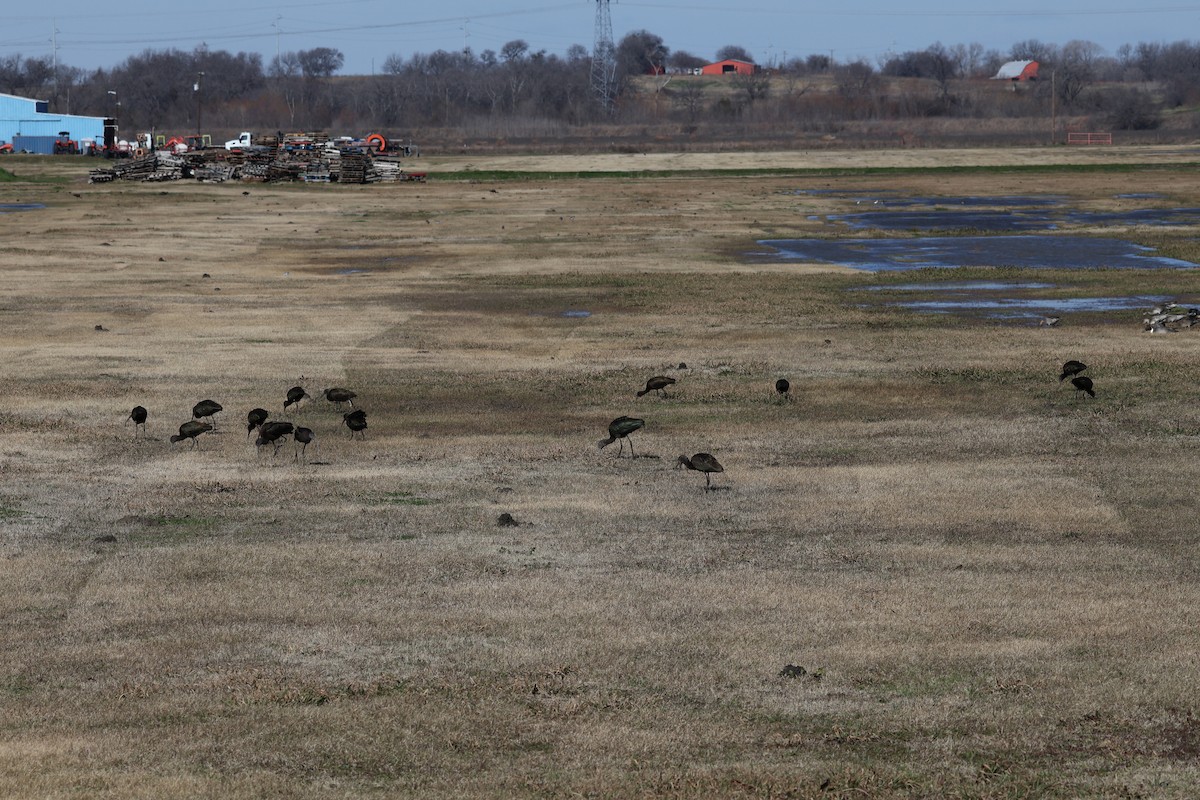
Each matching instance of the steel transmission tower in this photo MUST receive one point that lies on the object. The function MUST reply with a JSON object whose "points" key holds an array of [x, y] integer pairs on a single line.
{"points": [[604, 60]]}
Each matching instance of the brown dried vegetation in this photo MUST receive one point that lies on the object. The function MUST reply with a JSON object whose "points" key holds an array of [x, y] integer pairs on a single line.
{"points": [[978, 586]]}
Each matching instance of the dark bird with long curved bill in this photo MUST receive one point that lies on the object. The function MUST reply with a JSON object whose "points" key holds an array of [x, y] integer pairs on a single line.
{"points": [[139, 415], [701, 462], [620, 428], [658, 383], [255, 418], [191, 430], [273, 433], [303, 437], [356, 421], [1071, 368], [339, 395], [294, 396], [207, 409], [1083, 383]]}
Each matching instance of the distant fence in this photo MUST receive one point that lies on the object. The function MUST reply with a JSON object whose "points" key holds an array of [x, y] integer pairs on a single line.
{"points": [[1089, 138]]}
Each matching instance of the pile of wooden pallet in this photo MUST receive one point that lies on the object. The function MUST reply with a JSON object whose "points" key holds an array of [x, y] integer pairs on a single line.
{"points": [[354, 168], [160, 166], [314, 162]]}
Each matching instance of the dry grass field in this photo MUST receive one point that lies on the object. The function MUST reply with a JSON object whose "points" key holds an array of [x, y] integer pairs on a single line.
{"points": [[990, 584]]}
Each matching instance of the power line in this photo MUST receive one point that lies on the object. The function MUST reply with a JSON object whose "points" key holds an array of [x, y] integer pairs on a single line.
{"points": [[907, 14]]}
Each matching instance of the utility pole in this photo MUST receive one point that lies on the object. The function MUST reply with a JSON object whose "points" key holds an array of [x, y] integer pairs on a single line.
{"points": [[604, 60], [199, 106], [1053, 104], [54, 47]]}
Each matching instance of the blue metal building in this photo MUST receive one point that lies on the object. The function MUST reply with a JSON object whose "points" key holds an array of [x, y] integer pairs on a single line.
{"points": [[29, 125]]}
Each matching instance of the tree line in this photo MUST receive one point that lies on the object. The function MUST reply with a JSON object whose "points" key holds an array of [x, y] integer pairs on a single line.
{"points": [[518, 90]]}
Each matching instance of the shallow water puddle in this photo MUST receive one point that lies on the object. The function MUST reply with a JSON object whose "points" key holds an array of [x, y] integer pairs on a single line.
{"points": [[944, 220], [1032, 251], [1002, 300], [1010, 220], [7, 207]]}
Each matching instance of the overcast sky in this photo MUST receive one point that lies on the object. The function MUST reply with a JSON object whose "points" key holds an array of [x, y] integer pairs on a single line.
{"points": [[90, 34]]}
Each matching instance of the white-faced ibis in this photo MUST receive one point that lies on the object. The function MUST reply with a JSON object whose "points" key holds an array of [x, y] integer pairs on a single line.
{"points": [[782, 387], [294, 396], [272, 433], [620, 428], [190, 430], [658, 383], [339, 396], [701, 462], [303, 437], [255, 417], [139, 416], [207, 408], [1071, 368], [356, 421], [1082, 383]]}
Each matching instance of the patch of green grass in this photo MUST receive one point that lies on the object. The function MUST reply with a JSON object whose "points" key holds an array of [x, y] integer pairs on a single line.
{"points": [[6, 176], [17, 686], [8, 512], [406, 499], [170, 529], [809, 172]]}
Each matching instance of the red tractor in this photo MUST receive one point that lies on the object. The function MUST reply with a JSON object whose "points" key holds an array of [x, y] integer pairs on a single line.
{"points": [[65, 144]]}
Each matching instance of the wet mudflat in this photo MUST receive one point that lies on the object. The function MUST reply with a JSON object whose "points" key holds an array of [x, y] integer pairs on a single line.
{"points": [[1014, 231], [885, 210], [1002, 220], [1012, 301], [1030, 251]]}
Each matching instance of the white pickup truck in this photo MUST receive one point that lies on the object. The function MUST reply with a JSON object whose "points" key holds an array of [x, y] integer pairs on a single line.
{"points": [[240, 143]]}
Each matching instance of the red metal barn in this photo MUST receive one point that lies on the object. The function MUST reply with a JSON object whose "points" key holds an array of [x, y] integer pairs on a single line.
{"points": [[730, 66]]}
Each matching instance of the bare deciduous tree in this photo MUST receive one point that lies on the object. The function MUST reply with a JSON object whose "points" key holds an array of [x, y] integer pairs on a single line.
{"points": [[754, 87], [1075, 69], [734, 52], [641, 53]]}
